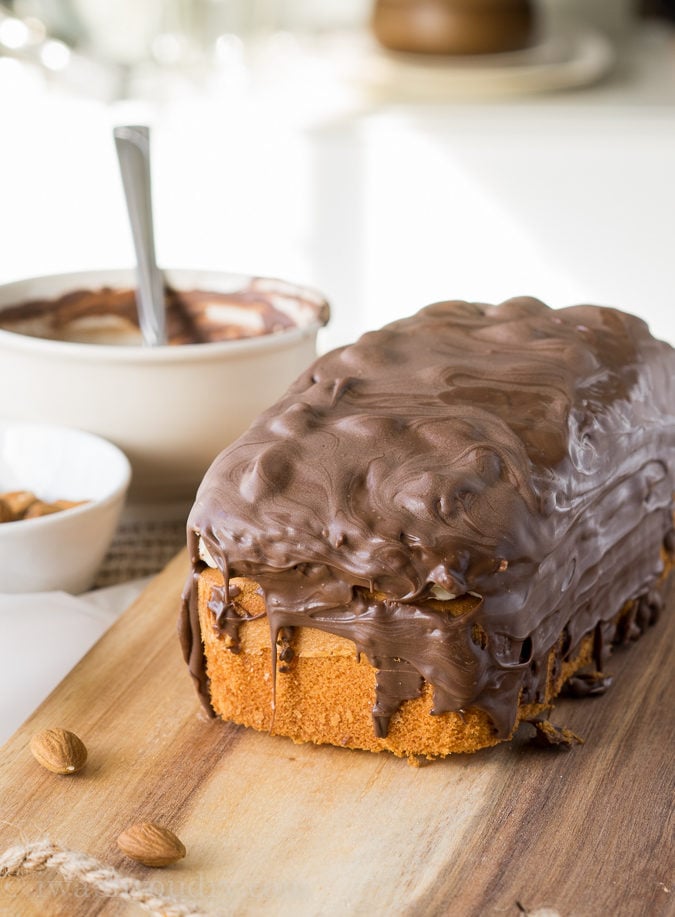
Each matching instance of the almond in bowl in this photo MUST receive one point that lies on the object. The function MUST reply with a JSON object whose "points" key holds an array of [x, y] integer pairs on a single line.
{"points": [[16, 505], [57, 540]]}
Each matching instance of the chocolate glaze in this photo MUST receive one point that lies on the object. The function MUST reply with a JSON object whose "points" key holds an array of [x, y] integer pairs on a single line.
{"points": [[193, 316], [523, 454]]}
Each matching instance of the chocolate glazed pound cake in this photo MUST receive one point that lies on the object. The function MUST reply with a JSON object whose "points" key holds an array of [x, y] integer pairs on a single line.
{"points": [[436, 529]]}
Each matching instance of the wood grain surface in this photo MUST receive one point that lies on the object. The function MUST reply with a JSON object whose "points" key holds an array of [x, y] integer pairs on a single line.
{"points": [[282, 829]]}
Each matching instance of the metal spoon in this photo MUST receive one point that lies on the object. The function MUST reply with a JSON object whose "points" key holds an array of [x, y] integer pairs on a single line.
{"points": [[133, 152]]}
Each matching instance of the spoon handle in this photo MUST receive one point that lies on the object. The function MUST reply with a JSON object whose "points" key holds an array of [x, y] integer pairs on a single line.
{"points": [[133, 152]]}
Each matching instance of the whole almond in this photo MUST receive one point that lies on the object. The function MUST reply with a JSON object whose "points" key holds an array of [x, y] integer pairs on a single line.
{"points": [[59, 750], [18, 501], [40, 508], [68, 504], [151, 844]]}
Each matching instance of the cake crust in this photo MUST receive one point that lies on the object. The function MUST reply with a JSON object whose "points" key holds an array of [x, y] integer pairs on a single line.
{"points": [[321, 690]]}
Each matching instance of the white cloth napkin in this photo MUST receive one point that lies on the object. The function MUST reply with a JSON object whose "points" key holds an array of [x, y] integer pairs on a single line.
{"points": [[42, 636]]}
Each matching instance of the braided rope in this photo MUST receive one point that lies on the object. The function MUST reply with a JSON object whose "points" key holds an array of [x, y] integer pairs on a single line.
{"points": [[38, 855]]}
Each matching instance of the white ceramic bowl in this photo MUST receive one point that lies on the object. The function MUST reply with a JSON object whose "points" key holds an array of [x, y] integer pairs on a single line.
{"points": [[170, 409], [64, 550]]}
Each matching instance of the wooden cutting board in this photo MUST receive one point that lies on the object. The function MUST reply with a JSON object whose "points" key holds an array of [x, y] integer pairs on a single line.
{"points": [[280, 829]]}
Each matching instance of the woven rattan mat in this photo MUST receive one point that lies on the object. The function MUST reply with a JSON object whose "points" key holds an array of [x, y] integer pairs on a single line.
{"points": [[142, 546]]}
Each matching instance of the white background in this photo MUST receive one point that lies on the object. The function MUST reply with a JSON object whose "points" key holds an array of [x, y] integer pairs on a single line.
{"points": [[567, 196]]}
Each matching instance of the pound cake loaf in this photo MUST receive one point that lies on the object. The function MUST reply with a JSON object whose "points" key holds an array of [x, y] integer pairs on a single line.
{"points": [[436, 529]]}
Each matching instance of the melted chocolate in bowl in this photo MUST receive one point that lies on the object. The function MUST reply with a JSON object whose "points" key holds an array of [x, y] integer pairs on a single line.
{"points": [[109, 316], [169, 408]]}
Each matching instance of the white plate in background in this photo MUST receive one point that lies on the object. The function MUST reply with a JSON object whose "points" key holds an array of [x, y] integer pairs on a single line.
{"points": [[566, 59]]}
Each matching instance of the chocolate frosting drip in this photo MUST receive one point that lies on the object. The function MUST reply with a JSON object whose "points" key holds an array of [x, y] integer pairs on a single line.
{"points": [[521, 454]]}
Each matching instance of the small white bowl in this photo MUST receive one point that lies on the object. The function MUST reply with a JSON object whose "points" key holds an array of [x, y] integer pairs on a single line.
{"points": [[170, 409], [64, 550]]}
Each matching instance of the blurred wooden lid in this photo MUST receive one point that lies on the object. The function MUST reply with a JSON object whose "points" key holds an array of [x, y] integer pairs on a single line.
{"points": [[453, 26]]}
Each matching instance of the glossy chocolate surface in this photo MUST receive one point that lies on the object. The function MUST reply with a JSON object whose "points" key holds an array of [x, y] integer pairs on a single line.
{"points": [[521, 454]]}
